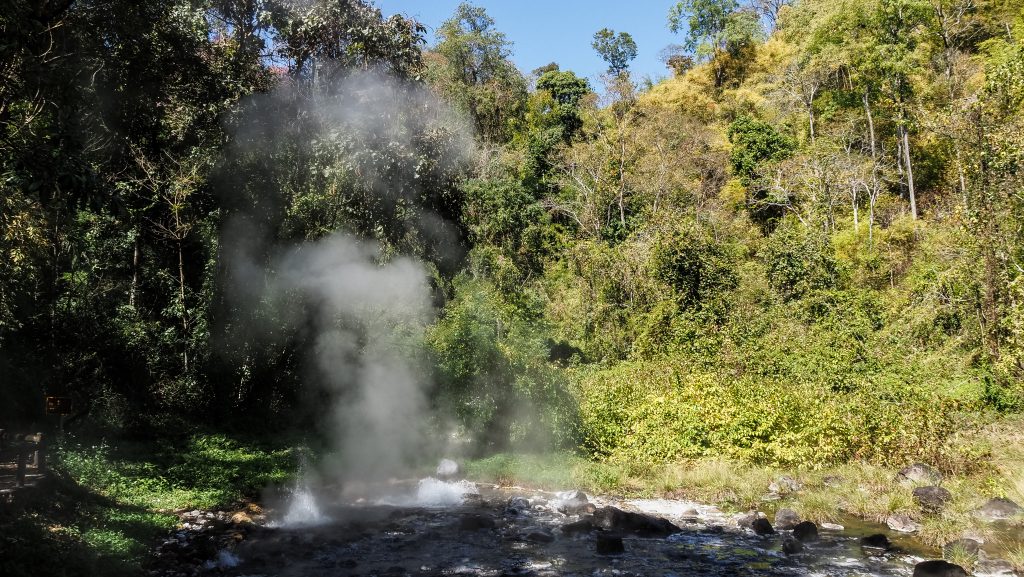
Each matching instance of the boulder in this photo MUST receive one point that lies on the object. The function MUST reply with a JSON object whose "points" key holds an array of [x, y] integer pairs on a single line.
{"points": [[690, 514], [574, 503], [613, 519], [762, 526], [938, 568], [998, 509], [932, 498], [920, 473], [902, 523], [994, 567], [806, 532], [876, 541], [577, 527], [786, 519], [791, 546], [475, 522], [517, 505], [540, 536], [447, 469], [784, 485], [608, 544], [746, 520]]}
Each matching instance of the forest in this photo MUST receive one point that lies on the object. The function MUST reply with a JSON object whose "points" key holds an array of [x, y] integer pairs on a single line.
{"points": [[801, 249]]}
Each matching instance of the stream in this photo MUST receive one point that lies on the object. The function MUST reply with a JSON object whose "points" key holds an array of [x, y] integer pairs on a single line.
{"points": [[435, 527]]}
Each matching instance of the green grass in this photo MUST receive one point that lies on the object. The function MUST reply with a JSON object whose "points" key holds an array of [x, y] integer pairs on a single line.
{"points": [[105, 507]]}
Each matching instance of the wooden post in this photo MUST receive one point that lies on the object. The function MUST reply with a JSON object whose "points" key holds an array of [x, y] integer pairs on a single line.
{"points": [[22, 458], [40, 459]]}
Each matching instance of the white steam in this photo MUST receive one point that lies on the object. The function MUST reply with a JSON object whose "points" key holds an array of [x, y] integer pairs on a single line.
{"points": [[360, 310]]}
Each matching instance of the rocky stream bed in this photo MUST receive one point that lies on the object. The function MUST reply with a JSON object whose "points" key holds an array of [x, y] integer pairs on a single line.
{"points": [[436, 527]]}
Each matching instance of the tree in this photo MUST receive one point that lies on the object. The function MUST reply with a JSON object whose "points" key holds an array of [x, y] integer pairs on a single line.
{"points": [[715, 30], [615, 49], [473, 70]]}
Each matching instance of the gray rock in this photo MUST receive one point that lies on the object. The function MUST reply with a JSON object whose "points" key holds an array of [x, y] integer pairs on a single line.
{"points": [[786, 519], [993, 567], [577, 527], [832, 527], [447, 469], [806, 532], [690, 514], [784, 485], [762, 526], [574, 503], [608, 544], [902, 523], [832, 480], [920, 473], [746, 520], [998, 509], [932, 498], [938, 568], [791, 546]]}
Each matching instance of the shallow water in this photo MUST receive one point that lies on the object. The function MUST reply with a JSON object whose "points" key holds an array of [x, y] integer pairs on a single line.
{"points": [[434, 528]]}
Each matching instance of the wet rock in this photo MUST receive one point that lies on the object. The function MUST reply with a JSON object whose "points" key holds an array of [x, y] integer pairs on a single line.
{"points": [[784, 485], [517, 505], [762, 526], [876, 541], [832, 527], [932, 498], [690, 514], [998, 509], [806, 532], [608, 544], [540, 536], [786, 519], [920, 473], [961, 548], [993, 567], [476, 522], [791, 546], [902, 523], [614, 519], [746, 521], [447, 469], [574, 503], [938, 568], [577, 527]]}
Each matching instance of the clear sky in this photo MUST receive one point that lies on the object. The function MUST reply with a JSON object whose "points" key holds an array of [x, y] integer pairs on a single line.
{"points": [[561, 31]]}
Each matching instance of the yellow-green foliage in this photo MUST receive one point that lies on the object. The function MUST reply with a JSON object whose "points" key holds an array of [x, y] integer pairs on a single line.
{"points": [[661, 410]]}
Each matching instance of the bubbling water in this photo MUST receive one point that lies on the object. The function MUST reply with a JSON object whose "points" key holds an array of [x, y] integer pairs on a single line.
{"points": [[303, 510]]}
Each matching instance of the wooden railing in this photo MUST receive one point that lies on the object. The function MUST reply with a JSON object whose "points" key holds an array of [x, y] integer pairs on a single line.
{"points": [[23, 449]]}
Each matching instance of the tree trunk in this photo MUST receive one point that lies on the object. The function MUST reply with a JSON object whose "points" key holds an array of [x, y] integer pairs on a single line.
{"points": [[135, 273], [871, 125], [182, 304], [910, 170]]}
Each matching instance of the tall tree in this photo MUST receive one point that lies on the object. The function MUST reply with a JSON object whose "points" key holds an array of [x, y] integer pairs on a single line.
{"points": [[618, 50]]}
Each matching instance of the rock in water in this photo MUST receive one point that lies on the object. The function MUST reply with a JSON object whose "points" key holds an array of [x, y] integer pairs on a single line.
{"points": [[762, 526], [475, 522], [574, 503], [746, 521], [609, 544], [576, 527], [447, 469], [786, 519], [791, 546], [540, 536], [932, 498], [994, 567], [517, 505], [876, 541], [920, 473], [806, 531], [998, 509], [613, 519], [938, 568]]}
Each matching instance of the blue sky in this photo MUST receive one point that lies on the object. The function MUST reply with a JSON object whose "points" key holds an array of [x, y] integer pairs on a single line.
{"points": [[543, 31]]}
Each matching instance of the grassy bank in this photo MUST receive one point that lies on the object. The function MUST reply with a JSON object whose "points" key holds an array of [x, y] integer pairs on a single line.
{"points": [[865, 491], [105, 506]]}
